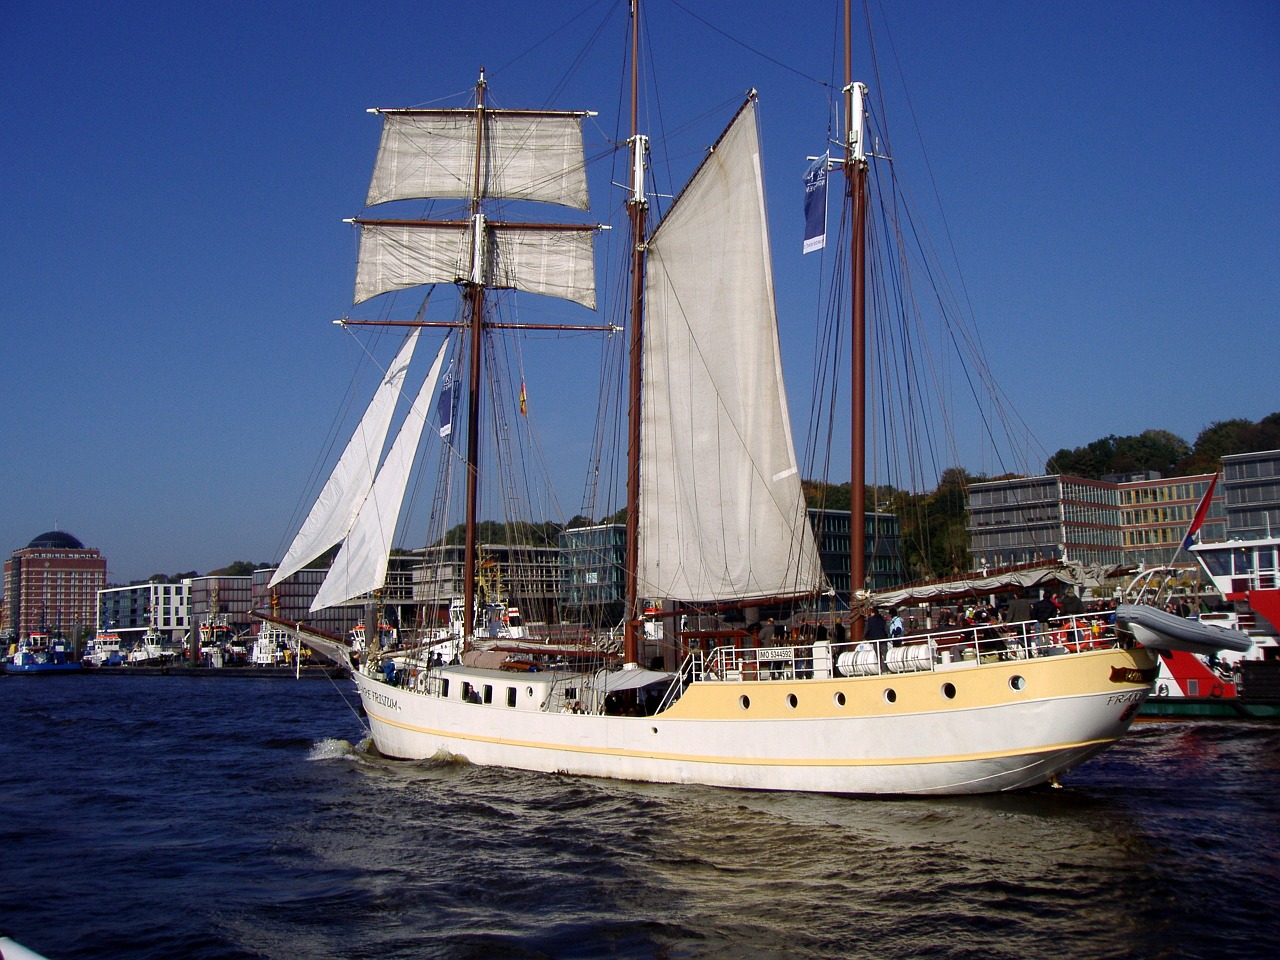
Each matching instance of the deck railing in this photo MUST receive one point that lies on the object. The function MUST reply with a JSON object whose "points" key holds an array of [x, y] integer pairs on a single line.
{"points": [[941, 650]]}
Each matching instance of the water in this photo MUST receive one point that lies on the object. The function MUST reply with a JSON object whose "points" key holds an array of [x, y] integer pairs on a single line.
{"points": [[167, 817]]}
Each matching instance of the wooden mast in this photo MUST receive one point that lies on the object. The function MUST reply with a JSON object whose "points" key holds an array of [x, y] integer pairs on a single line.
{"points": [[855, 168], [637, 208], [476, 300]]}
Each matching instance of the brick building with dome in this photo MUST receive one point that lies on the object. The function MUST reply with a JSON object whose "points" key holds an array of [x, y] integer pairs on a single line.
{"points": [[51, 586]]}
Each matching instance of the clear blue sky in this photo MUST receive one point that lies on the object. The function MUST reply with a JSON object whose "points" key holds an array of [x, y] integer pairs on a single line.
{"points": [[176, 177]]}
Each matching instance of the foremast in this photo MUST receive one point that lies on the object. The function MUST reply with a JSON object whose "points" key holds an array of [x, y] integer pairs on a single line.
{"points": [[478, 155]]}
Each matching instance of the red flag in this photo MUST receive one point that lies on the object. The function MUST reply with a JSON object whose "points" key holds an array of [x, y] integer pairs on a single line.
{"points": [[1202, 511]]}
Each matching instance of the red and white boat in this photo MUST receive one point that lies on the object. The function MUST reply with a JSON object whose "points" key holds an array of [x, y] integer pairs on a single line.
{"points": [[1229, 683]]}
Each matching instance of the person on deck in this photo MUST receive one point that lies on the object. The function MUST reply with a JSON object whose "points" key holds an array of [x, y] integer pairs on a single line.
{"points": [[877, 631], [1071, 604], [877, 627]]}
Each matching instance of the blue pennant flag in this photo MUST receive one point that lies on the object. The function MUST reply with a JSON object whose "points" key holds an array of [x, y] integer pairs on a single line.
{"points": [[815, 205], [446, 404]]}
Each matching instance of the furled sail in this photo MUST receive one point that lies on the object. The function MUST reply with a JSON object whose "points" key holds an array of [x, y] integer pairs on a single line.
{"points": [[722, 514], [527, 156], [361, 563], [555, 261], [336, 507]]}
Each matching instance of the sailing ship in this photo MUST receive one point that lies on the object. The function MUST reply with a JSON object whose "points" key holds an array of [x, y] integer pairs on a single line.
{"points": [[715, 517]]}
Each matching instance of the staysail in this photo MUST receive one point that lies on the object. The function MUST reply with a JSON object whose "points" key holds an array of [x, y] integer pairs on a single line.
{"points": [[336, 507], [722, 513], [361, 563]]}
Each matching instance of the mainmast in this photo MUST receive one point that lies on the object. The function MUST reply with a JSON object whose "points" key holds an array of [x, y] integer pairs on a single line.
{"points": [[637, 210], [855, 168]]}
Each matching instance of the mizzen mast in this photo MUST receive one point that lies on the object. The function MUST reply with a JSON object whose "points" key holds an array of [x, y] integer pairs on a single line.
{"points": [[855, 170], [637, 211]]}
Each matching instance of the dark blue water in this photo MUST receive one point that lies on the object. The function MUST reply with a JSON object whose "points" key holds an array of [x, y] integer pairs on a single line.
{"points": [[162, 817]]}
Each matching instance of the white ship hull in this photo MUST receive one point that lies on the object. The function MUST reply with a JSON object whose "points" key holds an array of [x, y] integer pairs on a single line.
{"points": [[988, 737]]}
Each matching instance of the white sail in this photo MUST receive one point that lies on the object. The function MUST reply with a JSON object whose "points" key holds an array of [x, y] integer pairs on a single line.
{"points": [[528, 156], [361, 563], [554, 261], [335, 508], [722, 514]]}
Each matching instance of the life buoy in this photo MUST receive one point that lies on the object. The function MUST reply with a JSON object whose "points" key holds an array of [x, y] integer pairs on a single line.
{"points": [[1162, 690], [1217, 690]]}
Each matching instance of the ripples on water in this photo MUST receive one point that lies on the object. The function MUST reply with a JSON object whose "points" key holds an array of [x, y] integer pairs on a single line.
{"points": [[216, 819]]}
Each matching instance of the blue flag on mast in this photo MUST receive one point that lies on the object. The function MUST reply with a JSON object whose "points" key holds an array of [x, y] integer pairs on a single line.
{"points": [[815, 205], [446, 403]]}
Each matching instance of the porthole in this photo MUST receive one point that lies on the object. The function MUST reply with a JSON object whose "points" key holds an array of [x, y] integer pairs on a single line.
{"points": [[839, 699], [528, 691], [653, 729], [792, 702], [744, 702], [1017, 683], [890, 695], [949, 691]]}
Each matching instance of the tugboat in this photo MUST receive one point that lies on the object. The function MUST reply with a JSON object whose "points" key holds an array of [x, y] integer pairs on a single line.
{"points": [[40, 653]]}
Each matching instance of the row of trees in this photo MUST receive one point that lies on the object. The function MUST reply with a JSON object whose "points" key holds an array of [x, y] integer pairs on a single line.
{"points": [[1167, 452]]}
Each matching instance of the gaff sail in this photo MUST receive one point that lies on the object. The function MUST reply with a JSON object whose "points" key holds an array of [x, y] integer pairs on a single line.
{"points": [[722, 513]]}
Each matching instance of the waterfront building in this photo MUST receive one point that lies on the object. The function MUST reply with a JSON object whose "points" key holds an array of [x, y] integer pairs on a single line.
{"points": [[1128, 521], [592, 586], [220, 600], [1156, 512], [290, 599], [1251, 482], [132, 611], [1025, 520], [51, 586], [527, 575], [883, 537]]}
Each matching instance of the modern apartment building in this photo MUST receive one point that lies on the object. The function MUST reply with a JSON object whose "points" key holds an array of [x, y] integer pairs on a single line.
{"points": [[1031, 519], [527, 575], [291, 598], [1156, 513], [220, 599], [592, 585], [132, 611], [1133, 520], [884, 564], [1251, 482]]}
